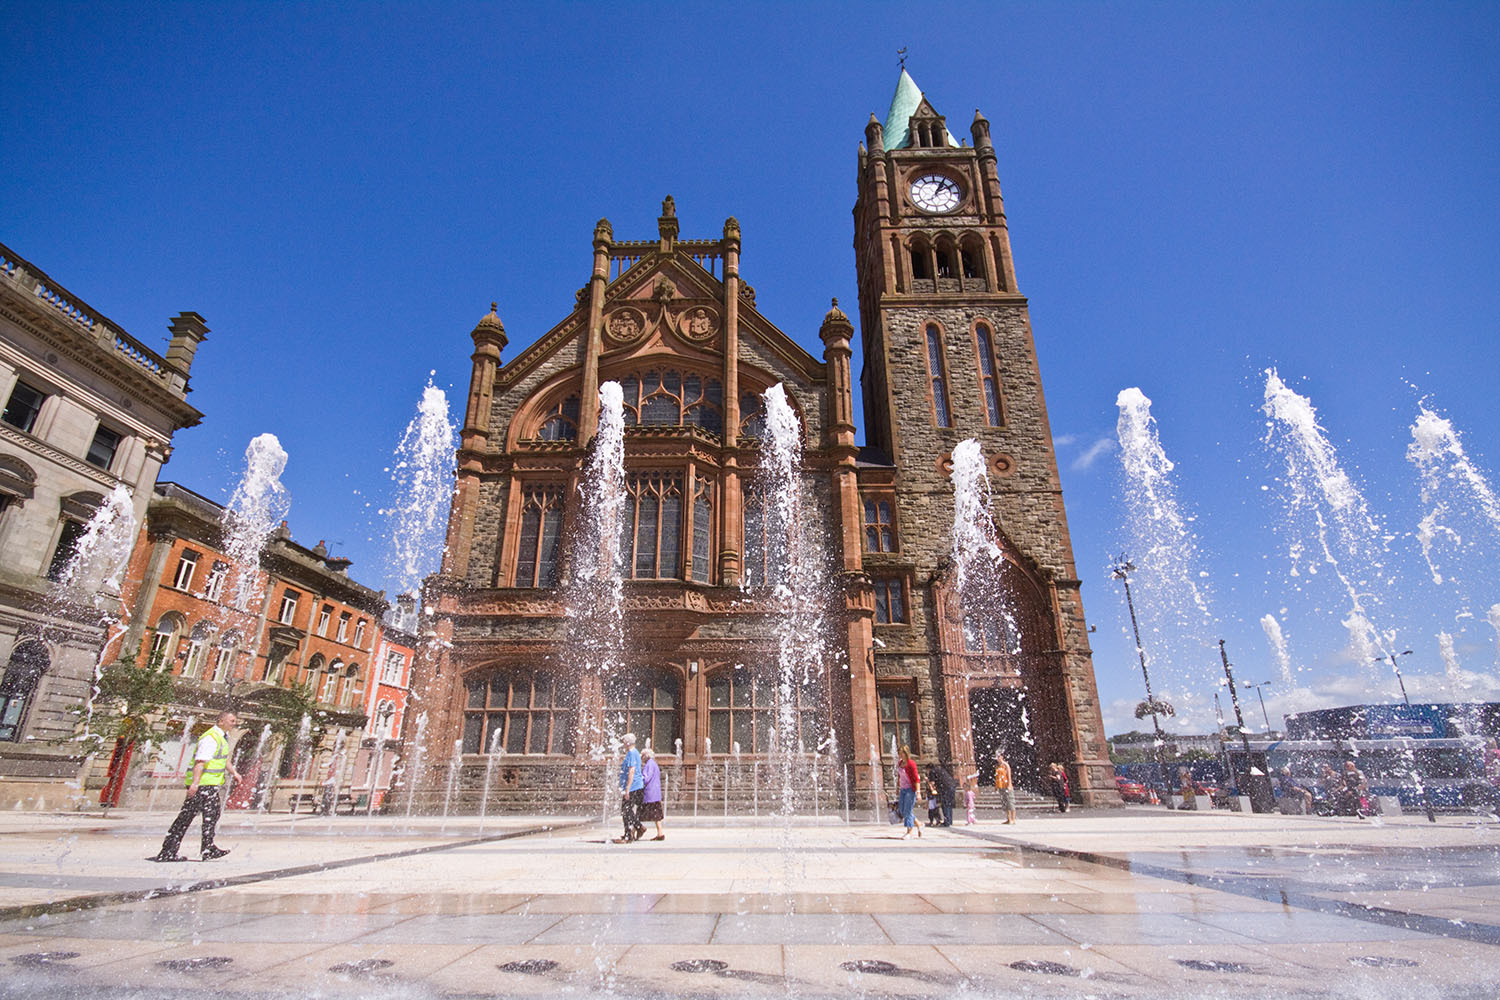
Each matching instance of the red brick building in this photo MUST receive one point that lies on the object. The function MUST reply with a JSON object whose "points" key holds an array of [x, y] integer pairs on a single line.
{"points": [[947, 356], [386, 700], [314, 626]]}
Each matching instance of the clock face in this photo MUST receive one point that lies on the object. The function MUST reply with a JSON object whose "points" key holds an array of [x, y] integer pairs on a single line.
{"points": [[934, 193]]}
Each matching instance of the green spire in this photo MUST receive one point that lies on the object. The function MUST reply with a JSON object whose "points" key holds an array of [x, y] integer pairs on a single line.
{"points": [[904, 104]]}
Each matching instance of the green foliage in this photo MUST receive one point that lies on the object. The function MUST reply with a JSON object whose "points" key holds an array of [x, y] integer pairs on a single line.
{"points": [[1133, 755], [130, 705], [285, 714]]}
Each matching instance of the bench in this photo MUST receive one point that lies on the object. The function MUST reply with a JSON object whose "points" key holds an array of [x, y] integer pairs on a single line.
{"points": [[348, 804]]}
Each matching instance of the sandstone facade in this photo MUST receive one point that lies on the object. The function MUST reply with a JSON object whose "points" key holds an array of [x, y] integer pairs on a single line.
{"points": [[934, 267]]}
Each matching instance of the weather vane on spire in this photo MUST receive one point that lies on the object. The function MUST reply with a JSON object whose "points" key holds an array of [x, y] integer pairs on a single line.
{"points": [[901, 54]]}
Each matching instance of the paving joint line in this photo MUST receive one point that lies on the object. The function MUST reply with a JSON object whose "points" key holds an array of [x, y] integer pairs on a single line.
{"points": [[1248, 887], [72, 903]]}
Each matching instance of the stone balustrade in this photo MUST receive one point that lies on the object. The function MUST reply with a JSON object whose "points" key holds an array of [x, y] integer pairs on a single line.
{"points": [[24, 275]]}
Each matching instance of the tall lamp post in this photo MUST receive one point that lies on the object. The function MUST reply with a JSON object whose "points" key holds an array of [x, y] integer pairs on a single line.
{"points": [[1121, 571], [1263, 795], [1263, 713], [1422, 785]]}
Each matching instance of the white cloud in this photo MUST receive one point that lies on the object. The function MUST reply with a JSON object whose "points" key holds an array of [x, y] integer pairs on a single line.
{"points": [[1093, 453], [1063, 440]]}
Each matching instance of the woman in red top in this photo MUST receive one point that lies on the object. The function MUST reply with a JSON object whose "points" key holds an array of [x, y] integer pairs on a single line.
{"points": [[907, 782]]}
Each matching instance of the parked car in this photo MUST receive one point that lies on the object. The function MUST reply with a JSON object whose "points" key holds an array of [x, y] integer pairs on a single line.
{"points": [[1132, 791]]}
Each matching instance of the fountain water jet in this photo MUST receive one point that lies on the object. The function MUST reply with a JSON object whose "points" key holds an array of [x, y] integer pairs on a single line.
{"points": [[423, 478], [595, 594], [796, 575], [91, 579], [1320, 495], [1277, 639], [257, 506], [1173, 597]]}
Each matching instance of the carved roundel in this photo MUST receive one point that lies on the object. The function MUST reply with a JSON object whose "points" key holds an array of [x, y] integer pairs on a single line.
{"points": [[1002, 465], [625, 325], [698, 323]]}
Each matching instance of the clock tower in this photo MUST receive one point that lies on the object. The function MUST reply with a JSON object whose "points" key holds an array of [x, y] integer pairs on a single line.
{"points": [[948, 356]]}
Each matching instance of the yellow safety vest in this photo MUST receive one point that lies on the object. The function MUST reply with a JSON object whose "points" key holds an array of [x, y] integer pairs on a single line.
{"points": [[214, 769]]}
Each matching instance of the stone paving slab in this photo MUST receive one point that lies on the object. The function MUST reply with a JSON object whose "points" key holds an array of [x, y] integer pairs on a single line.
{"points": [[1077, 906]]}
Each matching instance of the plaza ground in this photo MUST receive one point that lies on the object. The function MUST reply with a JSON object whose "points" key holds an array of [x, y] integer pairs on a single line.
{"points": [[1134, 903]]}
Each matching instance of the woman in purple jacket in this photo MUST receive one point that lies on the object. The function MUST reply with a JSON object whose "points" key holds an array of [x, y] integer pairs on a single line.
{"points": [[651, 809]]}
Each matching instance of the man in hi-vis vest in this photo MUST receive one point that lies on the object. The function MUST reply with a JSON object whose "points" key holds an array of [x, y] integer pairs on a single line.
{"points": [[210, 765]]}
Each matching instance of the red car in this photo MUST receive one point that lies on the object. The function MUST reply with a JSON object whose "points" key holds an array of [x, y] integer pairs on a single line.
{"points": [[1132, 791]]}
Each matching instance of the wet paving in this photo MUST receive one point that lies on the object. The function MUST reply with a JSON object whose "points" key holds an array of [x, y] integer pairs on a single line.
{"points": [[816, 911]]}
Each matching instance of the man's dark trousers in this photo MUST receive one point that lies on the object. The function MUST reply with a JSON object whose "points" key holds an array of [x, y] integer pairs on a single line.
{"points": [[630, 811], [205, 801]]}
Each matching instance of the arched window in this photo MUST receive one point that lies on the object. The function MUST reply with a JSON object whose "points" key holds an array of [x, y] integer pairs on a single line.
{"points": [[992, 631], [647, 707], [671, 398], [937, 371], [561, 422], [971, 255], [989, 380], [228, 651], [351, 686], [921, 260], [742, 708], [314, 665], [754, 571], [541, 530], [703, 528], [17, 482], [164, 639], [28, 662], [517, 713], [651, 526], [945, 259], [752, 416], [331, 682], [197, 651]]}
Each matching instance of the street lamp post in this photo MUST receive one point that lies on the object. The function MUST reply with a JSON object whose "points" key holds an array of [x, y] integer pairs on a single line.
{"points": [[1416, 775], [1396, 665], [1121, 571], [1263, 713], [1239, 718]]}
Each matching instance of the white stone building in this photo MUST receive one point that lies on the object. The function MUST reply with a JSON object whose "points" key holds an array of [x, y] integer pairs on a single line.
{"points": [[87, 408]]}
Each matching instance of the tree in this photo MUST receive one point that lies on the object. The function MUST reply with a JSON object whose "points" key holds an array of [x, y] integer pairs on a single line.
{"points": [[128, 711], [1154, 707]]}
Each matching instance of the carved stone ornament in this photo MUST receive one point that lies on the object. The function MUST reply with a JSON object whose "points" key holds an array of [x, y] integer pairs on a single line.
{"points": [[698, 323], [1002, 465], [664, 291], [625, 326]]}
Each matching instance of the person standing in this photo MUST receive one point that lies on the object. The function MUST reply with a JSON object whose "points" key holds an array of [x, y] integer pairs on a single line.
{"points": [[907, 782], [970, 783], [651, 792], [210, 766], [942, 779], [1004, 787], [631, 785], [1057, 779]]}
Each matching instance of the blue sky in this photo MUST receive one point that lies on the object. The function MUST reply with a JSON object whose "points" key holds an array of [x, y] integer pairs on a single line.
{"points": [[1196, 192]]}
